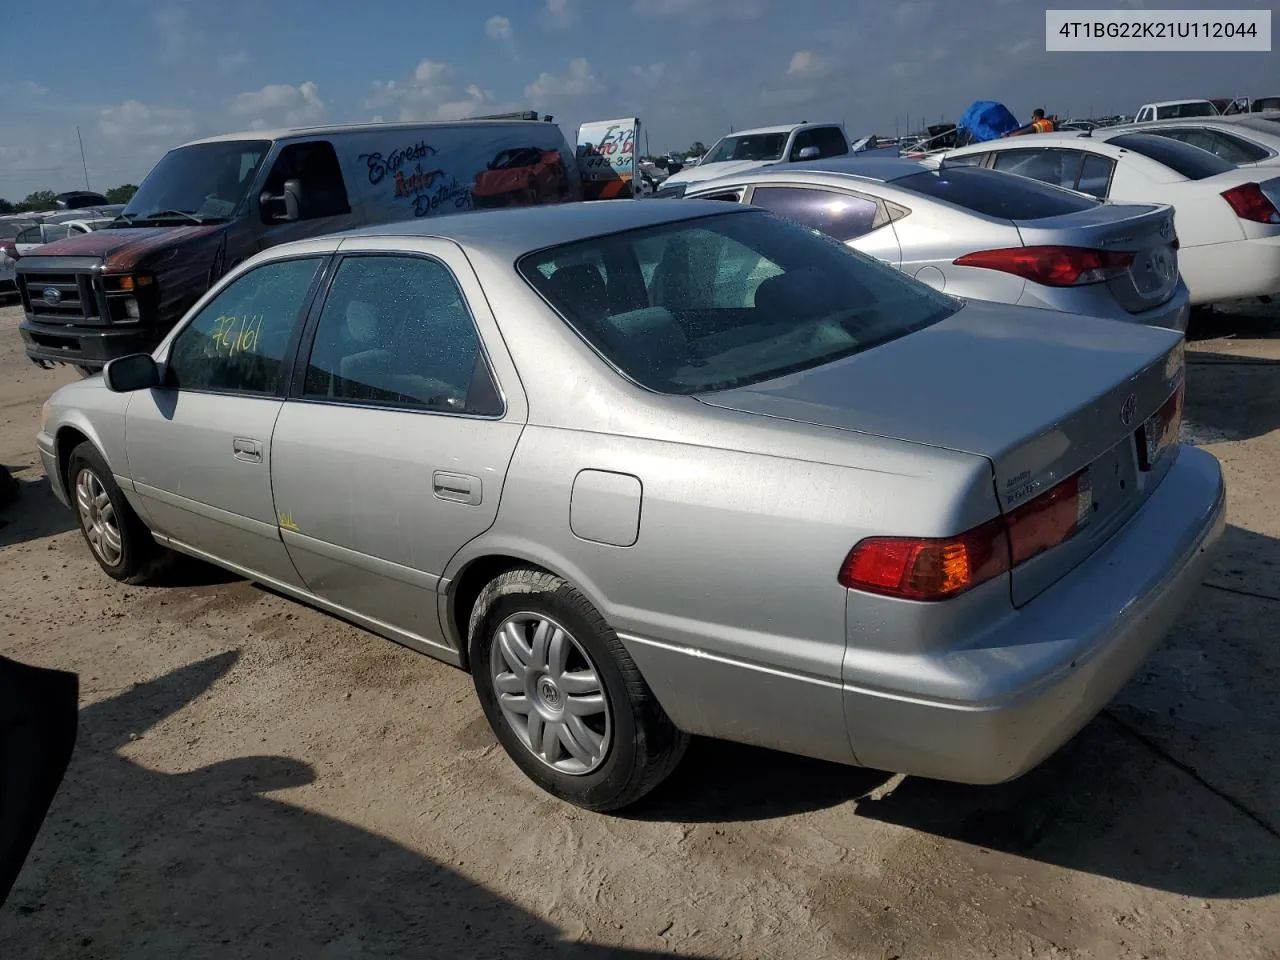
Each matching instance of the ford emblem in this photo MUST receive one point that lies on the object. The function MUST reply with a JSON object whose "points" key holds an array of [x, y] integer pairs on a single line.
{"points": [[1127, 409], [52, 296]]}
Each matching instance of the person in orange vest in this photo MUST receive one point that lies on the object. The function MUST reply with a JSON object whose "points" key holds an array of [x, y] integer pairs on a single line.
{"points": [[1039, 124]]}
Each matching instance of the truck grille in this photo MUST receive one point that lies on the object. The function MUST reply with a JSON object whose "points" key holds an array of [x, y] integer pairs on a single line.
{"points": [[59, 295]]}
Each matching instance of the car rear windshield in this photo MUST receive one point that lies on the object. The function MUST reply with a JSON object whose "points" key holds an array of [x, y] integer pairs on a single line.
{"points": [[1182, 158], [994, 194], [722, 301]]}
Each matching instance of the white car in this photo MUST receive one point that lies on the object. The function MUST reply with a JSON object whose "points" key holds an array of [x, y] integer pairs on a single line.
{"points": [[47, 231], [1227, 218], [751, 149], [1175, 110], [1243, 140]]}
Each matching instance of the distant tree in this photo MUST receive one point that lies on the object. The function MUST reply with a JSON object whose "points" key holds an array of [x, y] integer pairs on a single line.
{"points": [[696, 149], [121, 194], [40, 200], [6, 206]]}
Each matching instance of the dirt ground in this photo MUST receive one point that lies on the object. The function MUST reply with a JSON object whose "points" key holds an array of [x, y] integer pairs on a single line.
{"points": [[255, 779]]}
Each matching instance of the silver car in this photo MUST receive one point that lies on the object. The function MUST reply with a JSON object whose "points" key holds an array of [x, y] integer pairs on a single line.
{"points": [[980, 234], [650, 470]]}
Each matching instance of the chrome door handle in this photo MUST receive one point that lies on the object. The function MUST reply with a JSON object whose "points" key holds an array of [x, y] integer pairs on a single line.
{"points": [[456, 487], [247, 450]]}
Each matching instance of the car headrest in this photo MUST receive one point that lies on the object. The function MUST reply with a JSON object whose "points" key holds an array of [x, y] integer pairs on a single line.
{"points": [[580, 290]]}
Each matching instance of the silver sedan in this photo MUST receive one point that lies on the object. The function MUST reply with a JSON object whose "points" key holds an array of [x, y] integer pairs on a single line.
{"points": [[981, 234], [651, 470]]}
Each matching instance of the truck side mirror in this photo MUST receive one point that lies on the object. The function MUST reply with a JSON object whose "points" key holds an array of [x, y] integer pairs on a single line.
{"points": [[809, 153], [291, 200], [137, 371]]}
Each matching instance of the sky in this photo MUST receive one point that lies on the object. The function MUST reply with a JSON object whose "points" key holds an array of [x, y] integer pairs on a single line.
{"points": [[139, 77]]}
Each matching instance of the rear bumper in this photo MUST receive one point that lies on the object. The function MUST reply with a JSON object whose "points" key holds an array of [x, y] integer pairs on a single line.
{"points": [[1228, 271], [88, 346], [1096, 300], [997, 708]]}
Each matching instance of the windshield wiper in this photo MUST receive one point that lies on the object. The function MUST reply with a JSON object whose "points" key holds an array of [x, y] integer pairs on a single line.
{"points": [[168, 214]]}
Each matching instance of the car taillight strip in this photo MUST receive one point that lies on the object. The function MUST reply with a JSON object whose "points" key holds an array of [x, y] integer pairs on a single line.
{"points": [[939, 568]]}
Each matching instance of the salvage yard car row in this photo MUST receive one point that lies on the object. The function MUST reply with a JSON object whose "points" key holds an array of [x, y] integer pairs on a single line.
{"points": [[872, 474]]}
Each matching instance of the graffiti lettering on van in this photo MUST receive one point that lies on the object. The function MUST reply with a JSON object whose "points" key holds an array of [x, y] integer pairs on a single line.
{"points": [[449, 194], [380, 166]]}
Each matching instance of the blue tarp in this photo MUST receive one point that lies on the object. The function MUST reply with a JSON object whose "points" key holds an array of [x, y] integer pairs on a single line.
{"points": [[984, 120]]}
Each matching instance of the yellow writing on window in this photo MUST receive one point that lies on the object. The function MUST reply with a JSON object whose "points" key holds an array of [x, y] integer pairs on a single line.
{"points": [[237, 334]]}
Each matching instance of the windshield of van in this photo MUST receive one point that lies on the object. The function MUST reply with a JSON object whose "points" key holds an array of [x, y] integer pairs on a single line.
{"points": [[750, 146], [727, 300], [202, 183]]}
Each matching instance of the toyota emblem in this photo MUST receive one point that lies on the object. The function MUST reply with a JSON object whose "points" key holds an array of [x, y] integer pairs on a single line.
{"points": [[1127, 409], [52, 295]]}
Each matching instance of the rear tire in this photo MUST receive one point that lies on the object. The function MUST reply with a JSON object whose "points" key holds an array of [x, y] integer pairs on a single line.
{"points": [[117, 538], [563, 696]]}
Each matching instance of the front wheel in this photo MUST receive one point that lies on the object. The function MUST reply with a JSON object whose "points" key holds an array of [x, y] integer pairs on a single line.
{"points": [[563, 696], [117, 538]]}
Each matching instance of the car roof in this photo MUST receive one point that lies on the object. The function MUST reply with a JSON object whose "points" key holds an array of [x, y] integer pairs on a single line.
{"points": [[1174, 103], [1067, 139], [513, 232], [878, 169], [780, 128], [285, 133]]}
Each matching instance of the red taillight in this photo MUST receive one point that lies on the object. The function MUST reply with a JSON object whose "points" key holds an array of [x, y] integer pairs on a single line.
{"points": [[1250, 203], [940, 568], [1053, 266], [1160, 430], [1051, 518]]}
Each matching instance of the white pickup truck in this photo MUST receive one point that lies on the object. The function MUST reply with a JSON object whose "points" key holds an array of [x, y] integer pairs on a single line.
{"points": [[1175, 110], [749, 149]]}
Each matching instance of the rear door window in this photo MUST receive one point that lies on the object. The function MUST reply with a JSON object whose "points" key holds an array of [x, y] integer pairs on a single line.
{"points": [[396, 331], [1187, 161], [992, 194], [843, 216]]}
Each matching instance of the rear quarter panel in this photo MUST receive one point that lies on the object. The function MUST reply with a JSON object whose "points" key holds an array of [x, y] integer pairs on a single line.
{"points": [[728, 599]]}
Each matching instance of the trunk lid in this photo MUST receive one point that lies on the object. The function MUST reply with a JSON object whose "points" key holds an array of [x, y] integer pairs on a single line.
{"points": [[1144, 230], [1038, 393]]}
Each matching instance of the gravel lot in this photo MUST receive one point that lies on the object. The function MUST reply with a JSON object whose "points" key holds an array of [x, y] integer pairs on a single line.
{"points": [[254, 779]]}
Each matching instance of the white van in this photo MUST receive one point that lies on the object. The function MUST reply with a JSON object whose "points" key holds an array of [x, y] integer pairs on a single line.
{"points": [[211, 203]]}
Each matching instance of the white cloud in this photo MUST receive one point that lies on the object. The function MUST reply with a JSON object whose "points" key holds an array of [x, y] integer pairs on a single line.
{"points": [[650, 74], [432, 94], [804, 63], [281, 103], [497, 28], [431, 72], [146, 123], [577, 82], [560, 13], [229, 63]]}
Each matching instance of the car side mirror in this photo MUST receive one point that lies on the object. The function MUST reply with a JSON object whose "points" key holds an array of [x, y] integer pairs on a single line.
{"points": [[137, 371], [809, 153]]}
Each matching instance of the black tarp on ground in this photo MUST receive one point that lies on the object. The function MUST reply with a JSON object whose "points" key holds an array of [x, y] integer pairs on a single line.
{"points": [[38, 719]]}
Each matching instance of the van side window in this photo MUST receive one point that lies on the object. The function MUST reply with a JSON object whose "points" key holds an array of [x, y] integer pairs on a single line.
{"points": [[314, 165]]}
